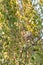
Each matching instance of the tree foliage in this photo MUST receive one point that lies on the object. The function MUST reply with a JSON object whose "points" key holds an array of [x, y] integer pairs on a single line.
{"points": [[21, 32]]}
